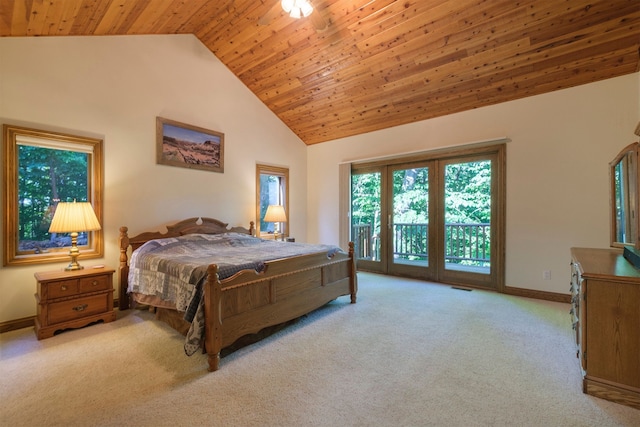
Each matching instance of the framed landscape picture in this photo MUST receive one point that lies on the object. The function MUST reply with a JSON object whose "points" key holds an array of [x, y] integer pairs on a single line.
{"points": [[186, 146]]}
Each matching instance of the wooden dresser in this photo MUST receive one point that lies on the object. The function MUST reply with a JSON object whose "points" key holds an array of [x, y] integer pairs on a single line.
{"points": [[73, 299], [606, 316]]}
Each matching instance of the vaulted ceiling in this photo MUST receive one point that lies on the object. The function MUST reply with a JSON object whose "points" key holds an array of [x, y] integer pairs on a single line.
{"points": [[356, 66]]}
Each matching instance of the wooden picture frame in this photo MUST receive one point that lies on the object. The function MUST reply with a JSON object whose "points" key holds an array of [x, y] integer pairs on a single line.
{"points": [[186, 146]]}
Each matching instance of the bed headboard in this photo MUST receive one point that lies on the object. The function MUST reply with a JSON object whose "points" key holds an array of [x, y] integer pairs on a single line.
{"points": [[200, 225], [197, 225]]}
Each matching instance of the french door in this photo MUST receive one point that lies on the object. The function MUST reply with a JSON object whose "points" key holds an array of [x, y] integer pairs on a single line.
{"points": [[438, 218]]}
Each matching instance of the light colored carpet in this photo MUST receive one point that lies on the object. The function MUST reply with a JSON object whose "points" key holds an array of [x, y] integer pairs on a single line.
{"points": [[409, 353]]}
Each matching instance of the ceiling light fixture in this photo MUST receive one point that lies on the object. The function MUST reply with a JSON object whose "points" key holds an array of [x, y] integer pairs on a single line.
{"points": [[297, 8]]}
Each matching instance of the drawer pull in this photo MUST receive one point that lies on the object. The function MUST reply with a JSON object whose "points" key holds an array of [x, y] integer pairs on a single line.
{"points": [[63, 287], [94, 283], [81, 307]]}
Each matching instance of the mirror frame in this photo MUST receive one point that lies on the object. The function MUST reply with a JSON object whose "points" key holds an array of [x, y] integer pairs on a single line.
{"points": [[94, 147], [634, 181]]}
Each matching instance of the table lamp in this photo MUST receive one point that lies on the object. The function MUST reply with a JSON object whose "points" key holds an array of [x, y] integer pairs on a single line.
{"points": [[277, 215], [73, 218]]}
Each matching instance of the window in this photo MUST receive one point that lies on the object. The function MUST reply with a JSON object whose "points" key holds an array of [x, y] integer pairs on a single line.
{"points": [[272, 188], [41, 169]]}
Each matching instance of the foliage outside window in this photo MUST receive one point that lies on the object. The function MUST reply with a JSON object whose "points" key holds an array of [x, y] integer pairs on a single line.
{"points": [[467, 202], [41, 169], [272, 188], [468, 213], [411, 213], [366, 212]]}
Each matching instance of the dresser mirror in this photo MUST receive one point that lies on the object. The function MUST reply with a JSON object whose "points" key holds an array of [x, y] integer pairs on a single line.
{"points": [[624, 198]]}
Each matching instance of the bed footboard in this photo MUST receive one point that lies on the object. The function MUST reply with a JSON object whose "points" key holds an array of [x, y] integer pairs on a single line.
{"points": [[285, 290]]}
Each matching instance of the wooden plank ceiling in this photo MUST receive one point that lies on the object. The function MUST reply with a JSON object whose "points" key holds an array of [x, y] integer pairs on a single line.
{"points": [[356, 66]]}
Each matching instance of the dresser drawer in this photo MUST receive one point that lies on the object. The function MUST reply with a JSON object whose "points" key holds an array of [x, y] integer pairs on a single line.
{"points": [[62, 288], [78, 308], [95, 283]]}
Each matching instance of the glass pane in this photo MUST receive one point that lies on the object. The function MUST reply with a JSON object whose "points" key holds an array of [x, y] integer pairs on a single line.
{"points": [[270, 194], [365, 215], [411, 216], [620, 202], [468, 216], [45, 177]]}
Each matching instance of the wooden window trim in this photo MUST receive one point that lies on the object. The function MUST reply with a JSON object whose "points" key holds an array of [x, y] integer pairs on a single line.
{"points": [[279, 171], [12, 134]]}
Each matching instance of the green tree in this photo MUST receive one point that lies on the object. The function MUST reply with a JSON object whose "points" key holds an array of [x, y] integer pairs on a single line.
{"points": [[365, 191], [46, 176], [468, 192], [411, 195]]}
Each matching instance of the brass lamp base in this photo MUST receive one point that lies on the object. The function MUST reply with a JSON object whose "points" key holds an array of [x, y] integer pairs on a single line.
{"points": [[72, 267], [74, 252]]}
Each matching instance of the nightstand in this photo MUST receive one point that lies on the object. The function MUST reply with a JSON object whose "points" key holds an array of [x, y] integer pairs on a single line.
{"points": [[73, 299]]}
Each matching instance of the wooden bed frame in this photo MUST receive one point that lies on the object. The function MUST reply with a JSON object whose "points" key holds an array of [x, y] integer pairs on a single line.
{"points": [[248, 301]]}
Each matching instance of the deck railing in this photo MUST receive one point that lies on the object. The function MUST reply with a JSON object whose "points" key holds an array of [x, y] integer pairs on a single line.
{"points": [[410, 241], [465, 243], [363, 240], [468, 243]]}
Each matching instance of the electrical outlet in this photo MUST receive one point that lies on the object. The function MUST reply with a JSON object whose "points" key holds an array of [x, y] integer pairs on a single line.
{"points": [[546, 275]]}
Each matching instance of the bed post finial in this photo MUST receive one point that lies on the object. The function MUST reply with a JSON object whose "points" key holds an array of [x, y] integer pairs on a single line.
{"points": [[124, 244]]}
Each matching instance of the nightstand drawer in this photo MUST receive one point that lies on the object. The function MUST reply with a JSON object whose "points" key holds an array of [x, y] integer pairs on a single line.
{"points": [[95, 283], [61, 289], [78, 308]]}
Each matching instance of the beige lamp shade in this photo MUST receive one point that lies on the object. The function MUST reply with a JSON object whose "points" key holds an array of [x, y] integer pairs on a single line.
{"points": [[74, 216], [275, 213]]}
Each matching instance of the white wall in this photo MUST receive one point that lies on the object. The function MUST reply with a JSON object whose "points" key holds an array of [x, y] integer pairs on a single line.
{"points": [[557, 170], [113, 88]]}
